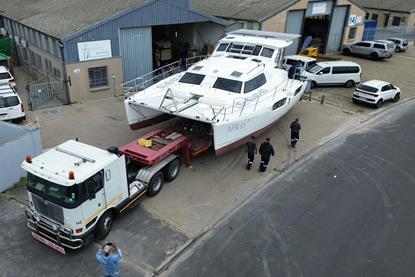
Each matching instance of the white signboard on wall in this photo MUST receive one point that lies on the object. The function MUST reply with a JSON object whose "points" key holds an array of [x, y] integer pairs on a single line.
{"points": [[94, 50], [319, 7], [354, 20]]}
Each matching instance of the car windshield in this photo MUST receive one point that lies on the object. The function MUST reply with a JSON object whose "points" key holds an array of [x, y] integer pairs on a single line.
{"points": [[368, 88], [314, 68], [65, 196], [5, 75], [10, 101]]}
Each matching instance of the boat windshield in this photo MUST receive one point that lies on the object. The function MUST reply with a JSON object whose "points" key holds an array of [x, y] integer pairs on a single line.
{"points": [[228, 85], [65, 196], [314, 69]]}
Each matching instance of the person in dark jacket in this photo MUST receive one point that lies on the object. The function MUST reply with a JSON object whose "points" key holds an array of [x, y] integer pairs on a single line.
{"points": [[295, 132], [266, 151], [252, 150]]}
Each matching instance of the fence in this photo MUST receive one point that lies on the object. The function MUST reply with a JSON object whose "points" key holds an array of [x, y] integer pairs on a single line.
{"points": [[389, 32], [16, 143], [44, 93]]}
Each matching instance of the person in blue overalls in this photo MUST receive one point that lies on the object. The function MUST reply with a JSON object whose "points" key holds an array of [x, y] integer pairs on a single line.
{"points": [[109, 257]]}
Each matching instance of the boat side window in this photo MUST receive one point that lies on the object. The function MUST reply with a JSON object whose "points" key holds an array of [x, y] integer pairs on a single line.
{"points": [[228, 85], [267, 52], [236, 48], [222, 47], [279, 104], [257, 50], [192, 78], [255, 83], [248, 49]]}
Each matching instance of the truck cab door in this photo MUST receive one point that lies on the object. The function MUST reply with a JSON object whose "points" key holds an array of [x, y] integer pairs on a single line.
{"points": [[95, 201]]}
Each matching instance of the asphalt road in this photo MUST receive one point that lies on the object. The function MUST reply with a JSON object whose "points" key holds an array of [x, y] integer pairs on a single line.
{"points": [[348, 210]]}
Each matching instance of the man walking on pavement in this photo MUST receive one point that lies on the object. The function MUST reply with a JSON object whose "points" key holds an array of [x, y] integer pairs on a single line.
{"points": [[252, 150], [109, 256], [265, 150], [295, 132]]}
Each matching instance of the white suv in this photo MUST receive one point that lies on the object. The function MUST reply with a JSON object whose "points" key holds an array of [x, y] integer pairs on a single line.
{"points": [[11, 107], [6, 77], [376, 92]]}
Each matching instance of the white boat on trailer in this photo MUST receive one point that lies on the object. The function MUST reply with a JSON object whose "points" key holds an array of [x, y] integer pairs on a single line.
{"points": [[239, 91]]}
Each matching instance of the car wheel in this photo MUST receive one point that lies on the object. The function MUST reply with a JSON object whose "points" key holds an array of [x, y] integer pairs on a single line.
{"points": [[398, 49], [156, 183], [313, 84], [354, 101], [349, 84], [379, 103], [346, 51], [172, 170], [374, 56], [396, 97], [104, 225]]}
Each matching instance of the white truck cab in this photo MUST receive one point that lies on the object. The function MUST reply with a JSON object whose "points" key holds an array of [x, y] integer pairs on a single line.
{"points": [[76, 189]]}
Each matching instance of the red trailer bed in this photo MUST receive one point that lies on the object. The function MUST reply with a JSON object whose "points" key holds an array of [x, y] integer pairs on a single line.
{"points": [[164, 143]]}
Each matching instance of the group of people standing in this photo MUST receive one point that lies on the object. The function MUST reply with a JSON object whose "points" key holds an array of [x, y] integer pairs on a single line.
{"points": [[266, 150]]}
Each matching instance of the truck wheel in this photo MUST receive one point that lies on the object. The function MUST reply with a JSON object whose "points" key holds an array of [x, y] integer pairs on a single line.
{"points": [[349, 84], [172, 170], [104, 225], [156, 183]]}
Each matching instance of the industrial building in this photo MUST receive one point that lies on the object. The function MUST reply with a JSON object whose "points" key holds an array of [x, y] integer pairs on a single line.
{"points": [[94, 46]]}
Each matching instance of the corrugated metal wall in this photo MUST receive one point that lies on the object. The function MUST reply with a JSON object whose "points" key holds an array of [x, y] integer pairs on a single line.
{"points": [[336, 28], [16, 143], [149, 14], [294, 25], [136, 51]]}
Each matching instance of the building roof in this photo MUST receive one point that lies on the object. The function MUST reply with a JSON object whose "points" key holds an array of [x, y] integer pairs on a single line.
{"points": [[388, 5], [59, 18], [253, 10]]}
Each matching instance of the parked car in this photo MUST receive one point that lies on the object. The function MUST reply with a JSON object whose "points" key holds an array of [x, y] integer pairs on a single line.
{"points": [[305, 62], [11, 107], [376, 92], [334, 73], [400, 43], [6, 77], [371, 49], [390, 44]]}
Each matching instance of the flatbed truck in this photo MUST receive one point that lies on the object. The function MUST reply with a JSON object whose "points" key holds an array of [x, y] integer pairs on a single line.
{"points": [[75, 190]]}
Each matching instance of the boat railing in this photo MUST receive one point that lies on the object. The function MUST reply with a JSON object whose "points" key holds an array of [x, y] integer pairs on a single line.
{"points": [[241, 104], [141, 83]]}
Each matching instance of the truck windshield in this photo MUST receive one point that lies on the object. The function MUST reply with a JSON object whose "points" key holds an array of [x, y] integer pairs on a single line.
{"points": [[65, 196]]}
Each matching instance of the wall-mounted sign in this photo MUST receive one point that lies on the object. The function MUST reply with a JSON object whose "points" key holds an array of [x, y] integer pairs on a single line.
{"points": [[94, 50], [354, 20], [319, 7]]}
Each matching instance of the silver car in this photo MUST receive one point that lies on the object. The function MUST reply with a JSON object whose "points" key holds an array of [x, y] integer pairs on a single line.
{"points": [[401, 44], [371, 49]]}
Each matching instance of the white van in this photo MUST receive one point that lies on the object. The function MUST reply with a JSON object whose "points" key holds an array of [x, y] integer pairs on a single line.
{"points": [[293, 59], [11, 107], [334, 73], [6, 77]]}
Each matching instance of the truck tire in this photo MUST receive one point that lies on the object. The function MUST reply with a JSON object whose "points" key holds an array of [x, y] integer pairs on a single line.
{"points": [[172, 170], [104, 225], [156, 183]]}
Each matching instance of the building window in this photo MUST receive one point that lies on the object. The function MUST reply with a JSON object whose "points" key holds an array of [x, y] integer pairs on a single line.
{"points": [[38, 62], [367, 16], [352, 33], [98, 77], [375, 16], [396, 21], [56, 72], [25, 56], [48, 65]]}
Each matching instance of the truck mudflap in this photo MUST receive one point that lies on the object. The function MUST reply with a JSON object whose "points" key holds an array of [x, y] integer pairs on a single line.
{"points": [[51, 232]]}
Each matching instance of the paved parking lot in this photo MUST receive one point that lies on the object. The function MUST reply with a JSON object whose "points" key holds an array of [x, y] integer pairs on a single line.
{"points": [[154, 231]]}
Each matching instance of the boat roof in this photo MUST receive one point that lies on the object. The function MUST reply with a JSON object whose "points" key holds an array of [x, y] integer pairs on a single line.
{"points": [[83, 159], [269, 39], [229, 67]]}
